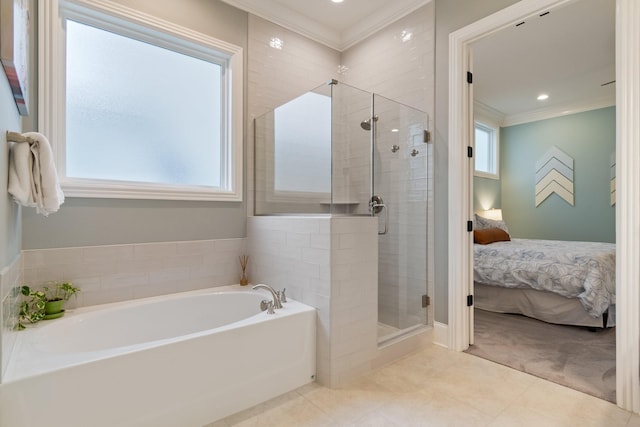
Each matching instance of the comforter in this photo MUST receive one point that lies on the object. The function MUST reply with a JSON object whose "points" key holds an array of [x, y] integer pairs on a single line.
{"points": [[583, 270]]}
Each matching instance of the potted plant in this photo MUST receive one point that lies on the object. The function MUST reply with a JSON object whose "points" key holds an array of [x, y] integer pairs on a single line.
{"points": [[44, 304]]}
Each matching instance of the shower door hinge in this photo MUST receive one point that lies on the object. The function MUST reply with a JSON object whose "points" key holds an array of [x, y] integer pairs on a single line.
{"points": [[426, 301], [426, 136], [469, 151], [469, 226], [469, 77], [469, 300]]}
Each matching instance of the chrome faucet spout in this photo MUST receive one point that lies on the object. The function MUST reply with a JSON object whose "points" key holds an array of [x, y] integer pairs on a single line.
{"points": [[276, 298]]}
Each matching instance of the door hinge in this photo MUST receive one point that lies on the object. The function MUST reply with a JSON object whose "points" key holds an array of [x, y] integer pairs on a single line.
{"points": [[469, 77], [426, 301], [469, 226], [469, 300], [469, 151], [426, 136]]}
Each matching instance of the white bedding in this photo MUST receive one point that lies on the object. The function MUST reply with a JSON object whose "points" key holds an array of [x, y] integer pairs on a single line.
{"points": [[583, 270]]}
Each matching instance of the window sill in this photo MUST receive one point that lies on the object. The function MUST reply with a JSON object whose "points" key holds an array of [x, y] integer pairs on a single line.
{"points": [[136, 190]]}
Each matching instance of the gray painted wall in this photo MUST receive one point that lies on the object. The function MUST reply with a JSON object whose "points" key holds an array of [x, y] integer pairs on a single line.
{"points": [[590, 139], [451, 15], [487, 193], [83, 221], [9, 211]]}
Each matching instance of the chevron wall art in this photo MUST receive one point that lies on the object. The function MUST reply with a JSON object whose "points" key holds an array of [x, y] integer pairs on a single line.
{"points": [[613, 178], [554, 174]]}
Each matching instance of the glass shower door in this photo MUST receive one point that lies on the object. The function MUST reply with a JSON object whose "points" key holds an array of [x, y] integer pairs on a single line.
{"points": [[400, 184]]}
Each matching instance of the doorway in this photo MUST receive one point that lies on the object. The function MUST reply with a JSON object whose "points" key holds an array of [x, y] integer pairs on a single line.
{"points": [[567, 54], [628, 199]]}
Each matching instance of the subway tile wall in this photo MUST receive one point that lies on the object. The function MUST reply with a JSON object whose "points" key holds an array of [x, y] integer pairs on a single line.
{"points": [[329, 263], [397, 62], [282, 65], [122, 272], [10, 281]]}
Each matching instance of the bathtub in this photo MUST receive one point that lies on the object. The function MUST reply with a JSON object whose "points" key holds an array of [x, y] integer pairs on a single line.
{"points": [[182, 360]]}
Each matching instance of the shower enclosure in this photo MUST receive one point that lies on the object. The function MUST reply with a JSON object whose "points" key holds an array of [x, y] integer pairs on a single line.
{"points": [[339, 150]]}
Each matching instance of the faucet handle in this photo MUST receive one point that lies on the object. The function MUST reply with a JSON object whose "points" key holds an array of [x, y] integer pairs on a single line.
{"points": [[267, 305], [282, 295]]}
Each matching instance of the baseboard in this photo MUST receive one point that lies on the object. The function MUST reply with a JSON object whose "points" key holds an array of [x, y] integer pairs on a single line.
{"points": [[441, 334]]}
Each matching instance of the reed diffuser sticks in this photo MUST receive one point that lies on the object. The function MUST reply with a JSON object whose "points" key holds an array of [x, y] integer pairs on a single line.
{"points": [[244, 260]]}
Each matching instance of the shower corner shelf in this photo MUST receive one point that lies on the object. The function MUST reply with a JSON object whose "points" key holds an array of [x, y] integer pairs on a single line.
{"points": [[344, 202]]}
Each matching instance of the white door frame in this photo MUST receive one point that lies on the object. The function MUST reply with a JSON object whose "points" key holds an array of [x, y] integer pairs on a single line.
{"points": [[627, 186]]}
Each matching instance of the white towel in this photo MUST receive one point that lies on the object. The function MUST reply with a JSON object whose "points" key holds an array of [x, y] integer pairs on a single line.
{"points": [[33, 180]]}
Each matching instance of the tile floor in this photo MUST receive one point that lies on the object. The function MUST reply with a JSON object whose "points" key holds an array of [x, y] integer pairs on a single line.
{"points": [[437, 387]]}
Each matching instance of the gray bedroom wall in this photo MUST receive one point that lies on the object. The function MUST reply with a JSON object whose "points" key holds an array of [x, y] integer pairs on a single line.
{"points": [[487, 193], [83, 221], [9, 211], [590, 139], [451, 15]]}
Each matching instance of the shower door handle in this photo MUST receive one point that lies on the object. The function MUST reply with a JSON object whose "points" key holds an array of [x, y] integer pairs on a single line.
{"points": [[380, 207]]}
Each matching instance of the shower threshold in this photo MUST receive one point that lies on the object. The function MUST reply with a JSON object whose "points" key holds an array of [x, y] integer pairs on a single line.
{"points": [[398, 334]]}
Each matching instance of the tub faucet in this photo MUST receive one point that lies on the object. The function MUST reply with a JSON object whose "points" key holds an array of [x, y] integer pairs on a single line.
{"points": [[276, 298]]}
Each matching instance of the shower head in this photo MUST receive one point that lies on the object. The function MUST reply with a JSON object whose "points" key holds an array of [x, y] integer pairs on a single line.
{"points": [[366, 124]]}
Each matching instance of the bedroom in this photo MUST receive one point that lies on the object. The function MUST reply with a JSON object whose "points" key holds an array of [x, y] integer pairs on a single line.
{"points": [[576, 124]]}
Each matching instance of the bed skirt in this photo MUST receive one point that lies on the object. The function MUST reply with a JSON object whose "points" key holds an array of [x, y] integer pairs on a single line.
{"points": [[545, 306]]}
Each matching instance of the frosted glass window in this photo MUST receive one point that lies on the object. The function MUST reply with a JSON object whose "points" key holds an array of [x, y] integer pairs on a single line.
{"points": [[486, 151], [139, 112], [303, 144]]}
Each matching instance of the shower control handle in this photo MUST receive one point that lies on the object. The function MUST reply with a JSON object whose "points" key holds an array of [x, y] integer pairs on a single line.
{"points": [[376, 206]]}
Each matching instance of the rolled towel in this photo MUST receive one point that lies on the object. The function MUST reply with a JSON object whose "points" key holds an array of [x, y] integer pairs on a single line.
{"points": [[33, 179]]}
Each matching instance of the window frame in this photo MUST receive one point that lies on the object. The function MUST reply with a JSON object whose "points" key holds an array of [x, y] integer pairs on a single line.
{"points": [[141, 26], [494, 131]]}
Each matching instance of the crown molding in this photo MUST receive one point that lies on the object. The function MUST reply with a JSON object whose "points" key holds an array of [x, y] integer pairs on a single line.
{"points": [[308, 27], [484, 113], [559, 110], [289, 19], [378, 20]]}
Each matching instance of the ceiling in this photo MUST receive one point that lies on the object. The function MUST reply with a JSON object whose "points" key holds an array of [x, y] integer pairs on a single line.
{"points": [[568, 53]]}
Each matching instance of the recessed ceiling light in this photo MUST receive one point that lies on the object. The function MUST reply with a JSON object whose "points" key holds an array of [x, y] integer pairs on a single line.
{"points": [[543, 96], [337, 1], [395, 130]]}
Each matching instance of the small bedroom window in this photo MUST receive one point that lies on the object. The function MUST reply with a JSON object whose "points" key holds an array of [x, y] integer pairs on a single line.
{"points": [[140, 108], [486, 151]]}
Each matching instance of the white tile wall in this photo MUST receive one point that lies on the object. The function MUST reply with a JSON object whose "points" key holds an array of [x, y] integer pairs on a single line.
{"points": [[400, 68], [276, 76], [402, 71], [121, 272], [329, 263], [10, 280]]}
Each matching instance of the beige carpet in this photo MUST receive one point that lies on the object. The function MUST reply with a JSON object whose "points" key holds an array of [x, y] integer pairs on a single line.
{"points": [[568, 355]]}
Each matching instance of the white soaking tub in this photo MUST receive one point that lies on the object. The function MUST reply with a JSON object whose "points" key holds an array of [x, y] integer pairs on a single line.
{"points": [[178, 360]]}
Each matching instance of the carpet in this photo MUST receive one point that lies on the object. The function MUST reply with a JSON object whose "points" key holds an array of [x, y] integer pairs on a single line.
{"points": [[569, 355]]}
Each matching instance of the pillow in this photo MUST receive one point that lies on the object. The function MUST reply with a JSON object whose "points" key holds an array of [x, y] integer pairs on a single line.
{"points": [[490, 235], [481, 223]]}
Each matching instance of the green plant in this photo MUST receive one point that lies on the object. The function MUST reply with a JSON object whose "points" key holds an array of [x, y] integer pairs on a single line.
{"points": [[60, 291], [32, 307]]}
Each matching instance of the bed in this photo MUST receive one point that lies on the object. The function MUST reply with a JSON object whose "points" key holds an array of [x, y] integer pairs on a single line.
{"points": [[555, 281]]}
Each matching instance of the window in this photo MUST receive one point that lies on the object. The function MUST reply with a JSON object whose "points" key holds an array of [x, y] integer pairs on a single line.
{"points": [[150, 111], [486, 151]]}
